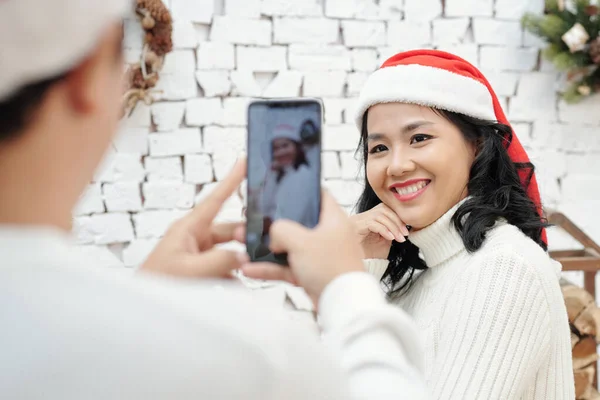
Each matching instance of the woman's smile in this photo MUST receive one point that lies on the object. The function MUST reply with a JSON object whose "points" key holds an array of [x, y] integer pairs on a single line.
{"points": [[410, 190]]}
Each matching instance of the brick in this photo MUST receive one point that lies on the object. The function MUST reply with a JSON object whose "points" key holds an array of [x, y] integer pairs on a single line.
{"points": [[340, 137], [356, 81], [211, 55], [334, 109], [133, 34], [319, 58], [292, 8], [578, 187], [203, 111], [363, 33], [168, 116], [351, 166], [522, 131], [364, 9], [405, 35], [235, 111], [193, 10], [238, 30], [91, 201], [104, 228], [214, 83], [515, 9], [508, 58], [572, 137], [558, 239], [184, 35], [364, 60], [585, 112], [422, 10], [267, 59], [535, 99], [202, 32], [132, 56], [102, 256], [168, 195], [345, 192], [136, 253], [579, 211], [120, 167], [503, 83], [132, 140], [244, 83], [582, 164], [198, 168], [549, 163], [154, 224], [330, 165], [285, 84], [450, 31], [491, 31], [468, 51], [163, 169], [217, 139], [531, 40], [305, 30], [176, 87], [122, 196], [179, 142], [243, 8], [139, 117], [179, 62], [324, 84], [549, 135], [469, 8]]}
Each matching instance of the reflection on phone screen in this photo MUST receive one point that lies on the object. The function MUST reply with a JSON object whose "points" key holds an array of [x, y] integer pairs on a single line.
{"points": [[284, 170]]}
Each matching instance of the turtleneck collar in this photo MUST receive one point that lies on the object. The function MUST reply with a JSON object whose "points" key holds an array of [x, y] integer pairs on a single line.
{"points": [[439, 241]]}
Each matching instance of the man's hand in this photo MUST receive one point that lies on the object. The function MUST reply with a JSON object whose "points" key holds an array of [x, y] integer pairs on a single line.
{"points": [[316, 257], [187, 250]]}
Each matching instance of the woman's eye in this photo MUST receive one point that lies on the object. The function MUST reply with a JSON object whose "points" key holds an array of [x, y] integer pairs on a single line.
{"points": [[377, 149], [418, 138]]}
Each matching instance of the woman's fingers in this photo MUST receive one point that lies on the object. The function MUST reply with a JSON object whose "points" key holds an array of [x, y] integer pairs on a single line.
{"points": [[391, 226], [388, 212], [379, 228]]}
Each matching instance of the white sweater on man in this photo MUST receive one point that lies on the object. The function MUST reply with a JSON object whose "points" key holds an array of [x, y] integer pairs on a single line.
{"points": [[494, 321]]}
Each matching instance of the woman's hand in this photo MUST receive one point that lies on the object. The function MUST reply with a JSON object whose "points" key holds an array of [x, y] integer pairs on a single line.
{"points": [[377, 228]]}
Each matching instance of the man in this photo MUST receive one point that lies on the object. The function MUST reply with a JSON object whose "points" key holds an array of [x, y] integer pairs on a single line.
{"points": [[70, 331]]}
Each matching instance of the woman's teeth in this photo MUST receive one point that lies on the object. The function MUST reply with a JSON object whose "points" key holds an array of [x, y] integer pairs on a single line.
{"points": [[411, 189]]}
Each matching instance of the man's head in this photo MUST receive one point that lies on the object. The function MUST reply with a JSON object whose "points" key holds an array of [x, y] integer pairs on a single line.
{"points": [[61, 81]]}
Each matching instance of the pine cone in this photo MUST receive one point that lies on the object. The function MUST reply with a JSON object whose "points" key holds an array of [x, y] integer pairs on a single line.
{"points": [[156, 8], [595, 50], [159, 39]]}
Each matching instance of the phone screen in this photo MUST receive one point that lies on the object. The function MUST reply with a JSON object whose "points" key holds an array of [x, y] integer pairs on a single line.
{"points": [[284, 170]]}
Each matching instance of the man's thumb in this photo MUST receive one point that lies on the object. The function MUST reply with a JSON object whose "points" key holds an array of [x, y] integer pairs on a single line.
{"points": [[286, 236]]}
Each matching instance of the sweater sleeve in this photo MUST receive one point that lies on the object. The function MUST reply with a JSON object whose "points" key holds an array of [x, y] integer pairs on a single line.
{"points": [[495, 331], [377, 343]]}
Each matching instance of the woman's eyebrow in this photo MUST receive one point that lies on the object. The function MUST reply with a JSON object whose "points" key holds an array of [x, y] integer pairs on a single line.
{"points": [[406, 129]]}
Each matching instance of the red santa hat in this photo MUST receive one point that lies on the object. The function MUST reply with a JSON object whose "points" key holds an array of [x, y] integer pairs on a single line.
{"points": [[444, 81]]}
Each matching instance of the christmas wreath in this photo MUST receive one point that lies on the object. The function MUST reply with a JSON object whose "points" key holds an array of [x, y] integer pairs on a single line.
{"points": [[143, 75], [571, 29]]}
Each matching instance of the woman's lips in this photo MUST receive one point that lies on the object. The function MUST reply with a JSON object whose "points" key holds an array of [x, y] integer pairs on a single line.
{"points": [[410, 190]]}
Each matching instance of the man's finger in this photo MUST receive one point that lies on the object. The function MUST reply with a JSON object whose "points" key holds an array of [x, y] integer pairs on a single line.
{"points": [[223, 233], [268, 272], [286, 236], [216, 263], [207, 210]]}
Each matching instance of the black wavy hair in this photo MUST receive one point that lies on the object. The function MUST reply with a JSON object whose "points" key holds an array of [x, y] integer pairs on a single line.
{"points": [[494, 188]]}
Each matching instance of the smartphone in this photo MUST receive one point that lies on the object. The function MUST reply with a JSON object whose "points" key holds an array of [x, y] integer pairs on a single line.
{"points": [[284, 169]]}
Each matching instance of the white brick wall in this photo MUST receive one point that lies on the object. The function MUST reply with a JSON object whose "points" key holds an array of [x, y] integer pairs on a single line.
{"points": [[228, 51]]}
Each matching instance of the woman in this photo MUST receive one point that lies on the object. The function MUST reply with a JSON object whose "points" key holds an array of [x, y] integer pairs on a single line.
{"points": [[450, 221], [286, 183]]}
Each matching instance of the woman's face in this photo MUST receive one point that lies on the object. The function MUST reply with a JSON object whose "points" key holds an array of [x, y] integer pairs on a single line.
{"points": [[284, 152], [418, 162]]}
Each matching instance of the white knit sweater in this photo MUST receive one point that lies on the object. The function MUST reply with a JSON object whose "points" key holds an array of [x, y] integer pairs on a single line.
{"points": [[493, 322]]}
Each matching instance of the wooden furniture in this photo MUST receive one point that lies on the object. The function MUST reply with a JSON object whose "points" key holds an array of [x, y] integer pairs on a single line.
{"points": [[584, 314]]}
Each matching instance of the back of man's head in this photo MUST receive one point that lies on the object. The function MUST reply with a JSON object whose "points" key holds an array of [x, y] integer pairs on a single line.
{"points": [[60, 87]]}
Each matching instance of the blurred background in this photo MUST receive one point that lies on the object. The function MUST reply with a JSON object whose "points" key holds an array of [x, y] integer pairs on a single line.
{"points": [[170, 151]]}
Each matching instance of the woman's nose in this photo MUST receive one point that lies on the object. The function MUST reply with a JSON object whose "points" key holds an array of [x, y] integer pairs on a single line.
{"points": [[401, 163]]}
